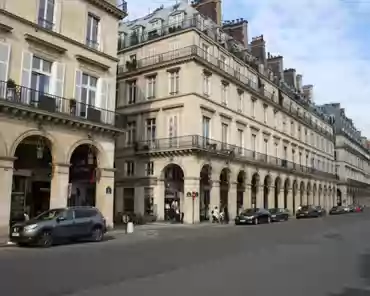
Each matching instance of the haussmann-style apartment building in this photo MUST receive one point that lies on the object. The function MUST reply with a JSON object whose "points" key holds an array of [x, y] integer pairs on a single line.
{"points": [[58, 62], [209, 125]]}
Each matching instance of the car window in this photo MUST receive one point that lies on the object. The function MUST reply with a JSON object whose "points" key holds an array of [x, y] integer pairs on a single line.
{"points": [[68, 215], [84, 213]]}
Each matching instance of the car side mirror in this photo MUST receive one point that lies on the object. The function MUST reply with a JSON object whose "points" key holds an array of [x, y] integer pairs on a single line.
{"points": [[60, 219]]}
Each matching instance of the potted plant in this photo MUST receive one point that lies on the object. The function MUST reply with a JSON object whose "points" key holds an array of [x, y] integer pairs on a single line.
{"points": [[10, 86]]}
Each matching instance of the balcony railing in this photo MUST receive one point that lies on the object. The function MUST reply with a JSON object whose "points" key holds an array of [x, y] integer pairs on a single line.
{"points": [[47, 24], [196, 142], [122, 5], [194, 51], [43, 101]]}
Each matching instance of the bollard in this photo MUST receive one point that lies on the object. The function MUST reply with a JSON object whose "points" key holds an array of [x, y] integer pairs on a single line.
{"points": [[130, 227]]}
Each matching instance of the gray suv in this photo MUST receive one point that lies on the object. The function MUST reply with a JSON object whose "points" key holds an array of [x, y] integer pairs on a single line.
{"points": [[59, 225]]}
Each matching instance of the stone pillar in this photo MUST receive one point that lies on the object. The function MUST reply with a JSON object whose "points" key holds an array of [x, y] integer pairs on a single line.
{"points": [[290, 200], [118, 200], [139, 202], [59, 186], [158, 200], [297, 200], [105, 194], [271, 196], [6, 182], [259, 196], [232, 198], [247, 200], [281, 198], [191, 205], [214, 197]]}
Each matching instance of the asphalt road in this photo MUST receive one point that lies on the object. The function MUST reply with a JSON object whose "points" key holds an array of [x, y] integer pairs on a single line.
{"points": [[328, 256]]}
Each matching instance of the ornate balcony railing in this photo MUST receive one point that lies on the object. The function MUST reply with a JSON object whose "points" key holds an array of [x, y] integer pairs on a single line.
{"points": [[23, 96], [194, 51], [207, 145], [122, 5]]}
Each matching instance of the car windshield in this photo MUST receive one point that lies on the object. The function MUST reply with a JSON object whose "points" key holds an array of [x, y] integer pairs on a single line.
{"points": [[273, 211], [249, 211], [305, 208], [49, 215]]}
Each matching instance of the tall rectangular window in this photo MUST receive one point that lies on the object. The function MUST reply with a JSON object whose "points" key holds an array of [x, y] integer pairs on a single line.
{"points": [[254, 144], [265, 114], [132, 91], [206, 127], [150, 87], [174, 80], [151, 130], [240, 100], [253, 107], [41, 76], [46, 14], [207, 84], [224, 133], [224, 93], [131, 133], [130, 168], [92, 31]]}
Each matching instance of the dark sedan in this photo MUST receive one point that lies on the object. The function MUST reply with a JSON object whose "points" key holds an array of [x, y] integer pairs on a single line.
{"points": [[278, 215], [337, 210], [253, 216], [321, 211], [307, 212]]}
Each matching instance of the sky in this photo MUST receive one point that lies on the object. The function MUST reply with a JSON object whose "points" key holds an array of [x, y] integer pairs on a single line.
{"points": [[326, 41]]}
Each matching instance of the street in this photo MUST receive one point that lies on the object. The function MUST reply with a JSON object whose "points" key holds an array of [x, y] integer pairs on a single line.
{"points": [[325, 256]]}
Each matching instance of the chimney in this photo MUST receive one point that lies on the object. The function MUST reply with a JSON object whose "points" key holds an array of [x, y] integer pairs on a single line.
{"points": [[308, 92], [238, 30], [290, 77], [258, 48], [299, 78], [276, 64], [209, 8]]}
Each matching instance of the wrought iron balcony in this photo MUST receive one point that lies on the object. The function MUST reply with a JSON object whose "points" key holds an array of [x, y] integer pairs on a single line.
{"points": [[15, 95], [199, 144], [122, 5], [195, 52]]}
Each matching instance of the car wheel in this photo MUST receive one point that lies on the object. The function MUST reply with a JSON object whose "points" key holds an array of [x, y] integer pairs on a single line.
{"points": [[97, 234], [256, 221], [45, 240], [268, 220]]}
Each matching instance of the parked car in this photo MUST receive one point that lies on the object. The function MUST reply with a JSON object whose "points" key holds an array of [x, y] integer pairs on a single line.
{"points": [[278, 214], [60, 225], [253, 216], [347, 209], [307, 212], [358, 208], [352, 208], [321, 211], [337, 210]]}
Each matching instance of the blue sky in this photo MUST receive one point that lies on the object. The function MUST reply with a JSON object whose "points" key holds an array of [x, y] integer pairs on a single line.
{"points": [[325, 40]]}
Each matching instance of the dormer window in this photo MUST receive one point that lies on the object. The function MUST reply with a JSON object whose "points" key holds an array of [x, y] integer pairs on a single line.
{"points": [[156, 23], [176, 20]]}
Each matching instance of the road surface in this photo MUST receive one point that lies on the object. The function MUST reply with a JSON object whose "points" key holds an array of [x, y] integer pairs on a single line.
{"points": [[328, 256]]}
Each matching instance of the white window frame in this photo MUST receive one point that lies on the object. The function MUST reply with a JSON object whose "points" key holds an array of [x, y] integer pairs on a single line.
{"points": [[150, 125], [149, 168], [151, 82], [131, 92], [206, 84], [224, 93], [43, 20], [265, 115], [253, 108], [206, 119], [224, 133], [130, 168], [89, 32], [240, 101], [176, 19], [174, 82], [131, 133]]}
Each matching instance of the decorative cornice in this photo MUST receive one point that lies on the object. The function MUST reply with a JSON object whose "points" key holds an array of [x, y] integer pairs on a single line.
{"points": [[92, 62], [207, 108], [112, 9], [225, 116], [5, 28], [44, 43], [174, 106]]}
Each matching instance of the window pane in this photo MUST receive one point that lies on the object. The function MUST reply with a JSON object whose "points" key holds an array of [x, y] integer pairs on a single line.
{"points": [[46, 66], [50, 11], [91, 98], [93, 81], [36, 63], [44, 83], [83, 95], [88, 30], [42, 10], [85, 78]]}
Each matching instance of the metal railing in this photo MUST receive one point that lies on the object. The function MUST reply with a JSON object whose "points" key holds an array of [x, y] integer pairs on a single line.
{"points": [[46, 23], [25, 96], [208, 145], [122, 5], [197, 52]]}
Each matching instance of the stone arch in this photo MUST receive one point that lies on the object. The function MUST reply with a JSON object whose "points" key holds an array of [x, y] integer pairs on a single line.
{"points": [[320, 195], [294, 193], [101, 157], [241, 180], [224, 180], [205, 186], [301, 192], [314, 194], [309, 191], [266, 191], [55, 148], [277, 191], [286, 192]]}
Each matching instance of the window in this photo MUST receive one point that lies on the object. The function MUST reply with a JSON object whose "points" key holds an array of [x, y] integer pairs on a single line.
{"points": [[240, 138], [299, 132], [149, 168], [207, 84], [172, 130], [224, 92], [285, 153], [131, 133], [254, 144], [265, 146], [265, 114], [300, 158], [224, 133], [222, 62], [206, 127], [132, 91], [205, 48], [150, 134], [150, 87], [292, 128], [253, 107], [46, 14], [92, 31], [240, 101], [307, 156], [130, 168], [176, 20], [293, 156], [284, 125], [306, 135], [88, 93], [41, 78], [174, 82], [276, 150]]}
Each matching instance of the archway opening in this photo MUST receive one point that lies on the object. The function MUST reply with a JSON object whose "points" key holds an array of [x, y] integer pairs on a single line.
{"points": [[83, 175], [286, 193], [301, 191], [31, 178], [325, 201], [240, 189], [314, 194], [224, 188], [266, 191], [320, 195], [205, 190], [295, 190], [277, 192], [173, 176], [339, 197], [254, 189]]}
